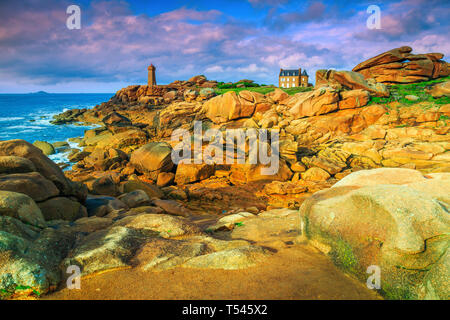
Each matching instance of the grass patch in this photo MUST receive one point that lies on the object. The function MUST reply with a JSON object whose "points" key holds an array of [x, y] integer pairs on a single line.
{"points": [[264, 90], [399, 91]]}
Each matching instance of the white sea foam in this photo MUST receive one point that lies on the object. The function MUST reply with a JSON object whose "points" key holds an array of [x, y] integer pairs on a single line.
{"points": [[62, 157], [25, 127], [59, 157], [5, 119]]}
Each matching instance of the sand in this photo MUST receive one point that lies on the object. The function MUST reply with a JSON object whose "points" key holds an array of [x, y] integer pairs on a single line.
{"points": [[294, 272]]}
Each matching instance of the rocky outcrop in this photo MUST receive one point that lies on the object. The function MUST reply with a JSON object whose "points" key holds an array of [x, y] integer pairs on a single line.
{"points": [[13, 164], [41, 191], [21, 207], [102, 160], [46, 148], [152, 159], [30, 258], [230, 106], [440, 90], [32, 184], [47, 168], [366, 220], [314, 103], [349, 80], [188, 173], [401, 66], [67, 117]]}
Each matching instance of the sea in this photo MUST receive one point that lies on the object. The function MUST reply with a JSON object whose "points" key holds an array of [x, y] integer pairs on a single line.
{"points": [[28, 116]]}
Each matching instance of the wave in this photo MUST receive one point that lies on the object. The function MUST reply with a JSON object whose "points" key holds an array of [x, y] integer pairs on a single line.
{"points": [[25, 127], [5, 119], [61, 157]]}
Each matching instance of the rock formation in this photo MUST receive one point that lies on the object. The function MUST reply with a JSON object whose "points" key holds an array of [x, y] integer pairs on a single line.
{"points": [[401, 66]]}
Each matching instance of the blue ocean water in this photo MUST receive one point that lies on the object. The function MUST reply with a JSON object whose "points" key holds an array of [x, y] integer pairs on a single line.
{"points": [[27, 116]]}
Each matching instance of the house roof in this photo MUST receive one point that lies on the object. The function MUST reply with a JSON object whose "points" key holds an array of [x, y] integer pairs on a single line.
{"points": [[288, 73], [304, 73]]}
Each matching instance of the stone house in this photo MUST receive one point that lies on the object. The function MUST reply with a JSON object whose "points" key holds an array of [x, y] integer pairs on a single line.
{"points": [[293, 78]]}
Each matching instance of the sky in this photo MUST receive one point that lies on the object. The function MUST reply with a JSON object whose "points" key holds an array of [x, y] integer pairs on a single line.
{"points": [[226, 40]]}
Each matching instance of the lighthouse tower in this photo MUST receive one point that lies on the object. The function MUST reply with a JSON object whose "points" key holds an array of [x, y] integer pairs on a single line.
{"points": [[151, 76]]}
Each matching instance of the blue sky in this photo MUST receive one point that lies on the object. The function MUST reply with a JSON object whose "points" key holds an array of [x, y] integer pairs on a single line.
{"points": [[227, 40]]}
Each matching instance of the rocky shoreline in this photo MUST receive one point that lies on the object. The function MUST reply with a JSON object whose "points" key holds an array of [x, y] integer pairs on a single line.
{"points": [[364, 177]]}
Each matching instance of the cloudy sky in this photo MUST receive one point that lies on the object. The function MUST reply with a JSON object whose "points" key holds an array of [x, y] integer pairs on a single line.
{"points": [[226, 40]]}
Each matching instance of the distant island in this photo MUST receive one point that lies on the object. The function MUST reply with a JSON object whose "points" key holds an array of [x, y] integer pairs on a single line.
{"points": [[39, 92]]}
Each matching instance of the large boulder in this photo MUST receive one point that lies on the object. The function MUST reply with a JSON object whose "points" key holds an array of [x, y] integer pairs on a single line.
{"points": [[165, 179], [151, 190], [46, 148], [268, 226], [44, 165], [13, 164], [313, 103], [124, 140], [244, 173], [394, 55], [403, 231], [22, 207], [188, 173], [102, 160], [204, 251], [435, 187], [106, 250], [315, 174], [32, 184], [354, 99], [380, 176], [153, 158], [351, 81], [136, 198], [104, 185], [116, 120], [229, 106], [400, 66], [29, 261], [167, 226], [277, 95], [440, 90], [163, 254], [62, 208]]}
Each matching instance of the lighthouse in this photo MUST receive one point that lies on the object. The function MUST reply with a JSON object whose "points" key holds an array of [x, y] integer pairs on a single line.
{"points": [[151, 76]]}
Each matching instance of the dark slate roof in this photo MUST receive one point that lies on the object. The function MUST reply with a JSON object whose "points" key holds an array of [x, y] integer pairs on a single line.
{"points": [[289, 73], [304, 73]]}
